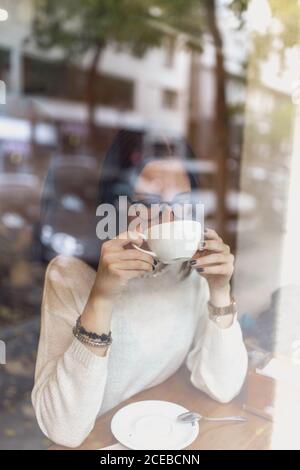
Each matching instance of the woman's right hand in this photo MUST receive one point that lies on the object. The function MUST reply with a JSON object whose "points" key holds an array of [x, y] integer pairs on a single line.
{"points": [[119, 263]]}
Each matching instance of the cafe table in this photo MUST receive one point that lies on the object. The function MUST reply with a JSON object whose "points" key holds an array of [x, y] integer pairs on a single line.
{"points": [[255, 434]]}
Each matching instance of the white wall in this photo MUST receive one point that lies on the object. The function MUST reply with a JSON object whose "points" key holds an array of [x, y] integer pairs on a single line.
{"points": [[151, 77]]}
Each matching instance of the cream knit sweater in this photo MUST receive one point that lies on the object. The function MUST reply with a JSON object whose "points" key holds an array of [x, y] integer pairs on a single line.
{"points": [[157, 324]]}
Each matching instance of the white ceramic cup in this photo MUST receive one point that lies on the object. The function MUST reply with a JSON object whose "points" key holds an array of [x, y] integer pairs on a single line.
{"points": [[173, 242]]}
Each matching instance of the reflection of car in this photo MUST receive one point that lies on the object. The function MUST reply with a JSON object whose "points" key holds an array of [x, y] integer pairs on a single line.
{"points": [[67, 223], [19, 196], [19, 212]]}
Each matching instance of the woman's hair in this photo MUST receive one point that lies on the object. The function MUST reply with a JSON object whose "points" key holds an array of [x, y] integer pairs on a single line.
{"points": [[124, 162]]}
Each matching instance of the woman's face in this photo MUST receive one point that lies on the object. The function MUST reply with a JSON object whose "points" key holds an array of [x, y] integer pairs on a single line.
{"points": [[162, 181]]}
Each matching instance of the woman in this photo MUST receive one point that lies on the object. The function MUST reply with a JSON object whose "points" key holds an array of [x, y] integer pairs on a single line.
{"points": [[159, 318]]}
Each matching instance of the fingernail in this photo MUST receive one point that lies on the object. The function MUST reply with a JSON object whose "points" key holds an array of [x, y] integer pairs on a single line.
{"points": [[193, 262], [200, 270]]}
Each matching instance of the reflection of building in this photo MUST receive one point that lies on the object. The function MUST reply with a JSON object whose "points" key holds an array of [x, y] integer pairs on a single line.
{"points": [[152, 94], [143, 94]]}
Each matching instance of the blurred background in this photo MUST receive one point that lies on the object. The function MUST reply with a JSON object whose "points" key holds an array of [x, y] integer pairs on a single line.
{"points": [[218, 74]]}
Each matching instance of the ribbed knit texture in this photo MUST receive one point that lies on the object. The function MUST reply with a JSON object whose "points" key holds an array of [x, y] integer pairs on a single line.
{"points": [[157, 324]]}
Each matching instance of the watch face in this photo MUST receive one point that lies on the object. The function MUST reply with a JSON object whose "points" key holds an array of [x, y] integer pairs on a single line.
{"points": [[216, 318]]}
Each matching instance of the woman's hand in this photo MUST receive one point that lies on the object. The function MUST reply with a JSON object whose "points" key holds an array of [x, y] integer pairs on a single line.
{"points": [[119, 263], [216, 264]]}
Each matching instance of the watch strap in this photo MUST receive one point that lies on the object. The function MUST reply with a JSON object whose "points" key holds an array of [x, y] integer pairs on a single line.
{"points": [[219, 312]]}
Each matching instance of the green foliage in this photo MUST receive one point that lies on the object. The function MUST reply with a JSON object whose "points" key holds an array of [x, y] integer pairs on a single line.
{"points": [[76, 26], [286, 15], [239, 7]]}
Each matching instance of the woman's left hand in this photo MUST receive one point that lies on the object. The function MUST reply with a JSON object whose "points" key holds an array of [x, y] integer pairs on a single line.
{"points": [[215, 263]]}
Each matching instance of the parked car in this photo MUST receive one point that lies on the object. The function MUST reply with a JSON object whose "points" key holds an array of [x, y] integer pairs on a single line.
{"points": [[19, 277], [67, 220], [19, 212]]}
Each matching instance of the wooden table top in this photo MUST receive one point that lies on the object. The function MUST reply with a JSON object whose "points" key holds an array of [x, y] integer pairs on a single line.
{"points": [[254, 435]]}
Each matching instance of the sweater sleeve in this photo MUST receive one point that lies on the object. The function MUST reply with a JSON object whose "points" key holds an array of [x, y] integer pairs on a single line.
{"points": [[69, 378], [218, 360]]}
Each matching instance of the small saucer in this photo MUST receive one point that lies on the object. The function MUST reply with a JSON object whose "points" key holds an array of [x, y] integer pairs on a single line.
{"points": [[153, 424]]}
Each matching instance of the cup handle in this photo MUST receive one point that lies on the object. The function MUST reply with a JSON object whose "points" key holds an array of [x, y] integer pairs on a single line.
{"points": [[151, 253]]}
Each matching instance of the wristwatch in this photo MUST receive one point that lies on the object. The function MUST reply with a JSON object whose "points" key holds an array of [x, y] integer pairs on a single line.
{"points": [[216, 313]]}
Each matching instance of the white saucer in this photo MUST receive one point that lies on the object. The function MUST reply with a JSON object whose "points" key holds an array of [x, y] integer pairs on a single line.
{"points": [[153, 425]]}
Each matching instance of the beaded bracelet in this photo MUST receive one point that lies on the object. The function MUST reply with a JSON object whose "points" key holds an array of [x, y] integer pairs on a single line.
{"points": [[90, 338], [89, 342]]}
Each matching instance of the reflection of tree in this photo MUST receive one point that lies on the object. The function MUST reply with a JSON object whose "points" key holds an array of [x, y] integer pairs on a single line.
{"points": [[220, 112], [204, 21], [86, 26], [269, 129], [268, 135]]}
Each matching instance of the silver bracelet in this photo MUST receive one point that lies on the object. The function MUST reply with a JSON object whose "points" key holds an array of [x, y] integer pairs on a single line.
{"points": [[89, 338], [90, 342], [217, 313]]}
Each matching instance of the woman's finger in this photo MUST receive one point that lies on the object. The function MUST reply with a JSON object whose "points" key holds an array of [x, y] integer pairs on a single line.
{"points": [[122, 240], [216, 245], [210, 234], [135, 265], [215, 258], [114, 257], [132, 254], [221, 269], [131, 274]]}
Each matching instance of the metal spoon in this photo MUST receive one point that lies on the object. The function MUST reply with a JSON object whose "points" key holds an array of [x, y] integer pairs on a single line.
{"points": [[193, 417]]}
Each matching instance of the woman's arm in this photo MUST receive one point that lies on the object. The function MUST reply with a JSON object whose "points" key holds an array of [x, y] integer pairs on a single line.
{"points": [[96, 317], [69, 378], [118, 264], [218, 360]]}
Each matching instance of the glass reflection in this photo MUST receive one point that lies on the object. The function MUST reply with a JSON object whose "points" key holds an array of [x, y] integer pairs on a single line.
{"points": [[213, 83]]}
